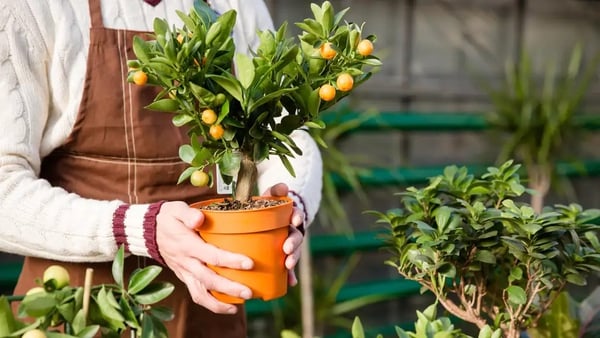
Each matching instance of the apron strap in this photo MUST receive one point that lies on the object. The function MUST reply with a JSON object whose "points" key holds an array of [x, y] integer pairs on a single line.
{"points": [[96, 13]]}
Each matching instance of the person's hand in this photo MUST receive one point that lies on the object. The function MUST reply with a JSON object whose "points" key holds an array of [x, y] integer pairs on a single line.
{"points": [[293, 244], [184, 252]]}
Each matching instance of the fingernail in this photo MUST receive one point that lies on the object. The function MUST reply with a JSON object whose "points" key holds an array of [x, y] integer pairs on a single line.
{"points": [[232, 310], [246, 294], [247, 265]]}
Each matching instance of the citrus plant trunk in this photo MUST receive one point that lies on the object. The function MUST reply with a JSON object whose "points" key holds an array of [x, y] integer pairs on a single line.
{"points": [[246, 180]]}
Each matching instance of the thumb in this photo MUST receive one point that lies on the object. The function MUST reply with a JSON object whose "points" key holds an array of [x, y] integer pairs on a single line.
{"points": [[278, 190], [191, 217]]}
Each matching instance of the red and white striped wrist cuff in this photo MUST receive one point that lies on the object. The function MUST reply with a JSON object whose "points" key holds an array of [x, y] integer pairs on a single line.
{"points": [[134, 227]]}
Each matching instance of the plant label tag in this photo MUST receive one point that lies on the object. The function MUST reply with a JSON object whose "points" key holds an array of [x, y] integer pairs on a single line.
{"points": [[222, 187]]}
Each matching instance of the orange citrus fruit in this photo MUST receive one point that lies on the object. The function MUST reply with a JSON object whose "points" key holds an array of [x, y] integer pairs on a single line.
{"points": [[140, 78], [216, 131], [199, 178], [327, 51], [344, 82], [327, 92], [209, 116], [365, 47]]}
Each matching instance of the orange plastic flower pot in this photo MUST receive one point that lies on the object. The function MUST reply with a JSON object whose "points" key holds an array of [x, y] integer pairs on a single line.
{"points": [[258, 234]]}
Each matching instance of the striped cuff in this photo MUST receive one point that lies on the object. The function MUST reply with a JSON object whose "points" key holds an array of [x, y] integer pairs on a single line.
{"points": [[134, 227], [299, 203]]}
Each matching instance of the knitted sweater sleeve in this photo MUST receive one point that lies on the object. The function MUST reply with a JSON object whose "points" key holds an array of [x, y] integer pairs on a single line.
{"points": [[37, 219]]}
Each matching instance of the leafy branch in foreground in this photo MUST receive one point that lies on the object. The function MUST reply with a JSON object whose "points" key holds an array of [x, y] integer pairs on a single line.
{"points": [[55, 309]]}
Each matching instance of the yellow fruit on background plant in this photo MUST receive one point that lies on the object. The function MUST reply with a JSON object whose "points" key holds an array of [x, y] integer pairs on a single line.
{"points": [[140, 78], [327, 51], [209, 116], [327, 92], [216, 131], [34, 290], [199, 178], [365, 47], [59, 274], [35, 333], [345, 82]]}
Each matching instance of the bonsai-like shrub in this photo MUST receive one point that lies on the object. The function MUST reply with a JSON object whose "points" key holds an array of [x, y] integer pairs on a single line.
{"points": [[488, 258], [242, 109]]}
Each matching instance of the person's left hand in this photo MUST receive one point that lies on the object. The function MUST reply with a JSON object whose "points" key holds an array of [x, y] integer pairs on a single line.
{"points": [[293, 244]]}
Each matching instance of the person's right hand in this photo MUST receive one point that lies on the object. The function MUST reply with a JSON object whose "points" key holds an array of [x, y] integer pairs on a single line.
{"points": [[184, 252]]}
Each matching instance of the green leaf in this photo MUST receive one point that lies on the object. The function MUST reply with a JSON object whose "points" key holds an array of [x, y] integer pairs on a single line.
{"points": [[38, 305], [107, 309], [182, 119], [79, 321], [161, 28], [164, 105], [163, 313], [140, 49], [289, 334], [186, 174], [357, 329], [230, 163], [203, 95], [117, 266], [231, 85], [7, 319], [89, 332], [485, 256], [253, 106], [187, 153], [59, 335], [244, 69], [516, 295], [154, 293], [128, 313], [141, 278]]}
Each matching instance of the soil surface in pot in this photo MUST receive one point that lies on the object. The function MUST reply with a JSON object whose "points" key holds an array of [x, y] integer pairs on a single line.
{"points": [[230, 204]]}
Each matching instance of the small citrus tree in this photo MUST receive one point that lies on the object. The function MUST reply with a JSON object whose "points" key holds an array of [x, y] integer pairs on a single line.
{"points": [[241, 109]]}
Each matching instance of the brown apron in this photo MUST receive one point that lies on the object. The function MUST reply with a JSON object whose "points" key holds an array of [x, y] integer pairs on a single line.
{"points": [[119, 150]]}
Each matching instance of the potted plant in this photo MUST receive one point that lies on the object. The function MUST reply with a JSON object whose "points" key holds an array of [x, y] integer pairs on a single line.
{"points": [[241, 109], [539, 121], [56, 309], [487, 256]]}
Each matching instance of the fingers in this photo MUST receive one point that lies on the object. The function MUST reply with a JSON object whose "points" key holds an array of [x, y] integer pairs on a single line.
{"points": [[279, 190], [212, 255], [297, 217], [178, 211], [187, 255], [292, 280], [292, 248], [200, 294]]}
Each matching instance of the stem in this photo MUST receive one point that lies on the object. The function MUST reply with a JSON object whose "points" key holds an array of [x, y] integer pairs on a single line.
{"points": [[540, 181], [306, 289], [246, 180]]}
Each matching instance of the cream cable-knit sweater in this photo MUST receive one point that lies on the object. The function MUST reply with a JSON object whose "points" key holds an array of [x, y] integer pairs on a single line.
{"points": [[43, 50]]}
